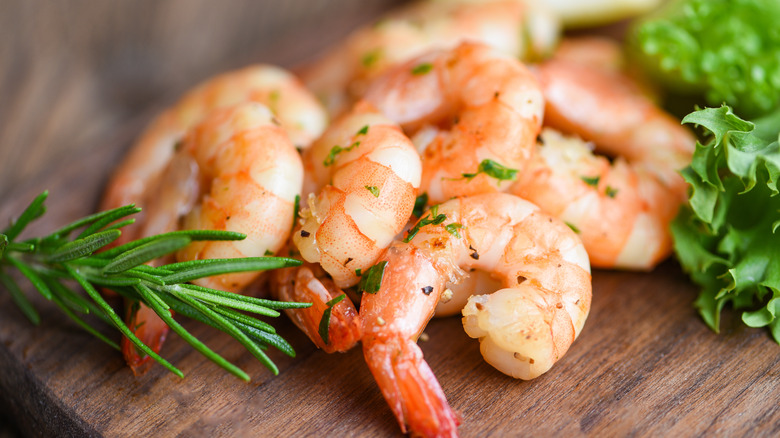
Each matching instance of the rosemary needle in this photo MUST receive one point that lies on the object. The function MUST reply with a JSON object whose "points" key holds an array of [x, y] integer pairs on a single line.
{"points": [[48, 260]]}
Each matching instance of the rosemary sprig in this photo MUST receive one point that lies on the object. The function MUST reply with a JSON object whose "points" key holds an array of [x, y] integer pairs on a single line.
{"points": [[46, 261]]}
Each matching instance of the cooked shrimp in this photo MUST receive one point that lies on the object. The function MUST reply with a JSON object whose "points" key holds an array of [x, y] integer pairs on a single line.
{"points": [[519, 29], [139, 177], [456, 294], [523, 328], [254, 175], [607, 55], [592, 51], [474, 112], [299, 113], [608, 109], [623, 210], [370, 172], [374, 172], [246, 175]]}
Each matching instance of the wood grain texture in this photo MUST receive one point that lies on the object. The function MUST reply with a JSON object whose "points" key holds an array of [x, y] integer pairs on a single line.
{"points": [[78, 82]]}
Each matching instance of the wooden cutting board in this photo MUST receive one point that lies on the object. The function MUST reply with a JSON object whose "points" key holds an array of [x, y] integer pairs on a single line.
{"points": [[80, 80]]}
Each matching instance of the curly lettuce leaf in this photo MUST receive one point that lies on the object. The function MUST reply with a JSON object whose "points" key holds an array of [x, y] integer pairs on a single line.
{"points": [[728, 236], [729, 50]]}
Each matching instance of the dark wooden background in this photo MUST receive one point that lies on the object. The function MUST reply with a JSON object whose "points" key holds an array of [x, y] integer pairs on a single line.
{"points": [[79, 80]]}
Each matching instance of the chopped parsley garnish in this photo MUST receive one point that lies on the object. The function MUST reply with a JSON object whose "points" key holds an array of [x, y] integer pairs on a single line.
{"points": [[494, 170], [371, 57], [296, 209], [371, 280], [325, 321], [573, 227], [374, 190], [453, 229], [611, 192], [592, 181], [273, 103], [419, 205], [363, 130], [335, 150], [421, 69], [431, 219], [268, 252]]}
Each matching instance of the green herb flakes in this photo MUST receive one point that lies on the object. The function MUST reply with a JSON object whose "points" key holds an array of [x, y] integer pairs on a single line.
{"points": [[494, 170], [419, 204], [371, 280], [592, 181], [325, 321], [431, 219], [453, 229], [335, 151], [421, 69]]}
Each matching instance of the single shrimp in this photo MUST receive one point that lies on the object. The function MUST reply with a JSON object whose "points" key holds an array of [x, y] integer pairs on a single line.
{"points": [[374, 172], [605, 107], [137, 177], [242, 174], [523, 328], [369, 172], [622, 210], [517, 28], [607, 55], [473, 112], [253, 175]]}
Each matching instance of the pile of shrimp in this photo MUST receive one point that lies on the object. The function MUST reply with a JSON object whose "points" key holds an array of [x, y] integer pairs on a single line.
{"points": [[445, 162]]}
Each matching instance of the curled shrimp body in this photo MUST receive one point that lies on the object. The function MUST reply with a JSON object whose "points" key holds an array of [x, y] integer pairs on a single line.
{"points": [[605, 107], [374, 172], [605, 55], [523, 328], [592, 51], [253, 175], [296, 109], [237, 171], [369, 172], [519, 29], [622, 210], [463, 107], [166, 188]]}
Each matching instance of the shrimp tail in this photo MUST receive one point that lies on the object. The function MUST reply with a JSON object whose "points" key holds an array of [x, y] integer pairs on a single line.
{"points": [[302, 285], [410, 388], [149, 328]]}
